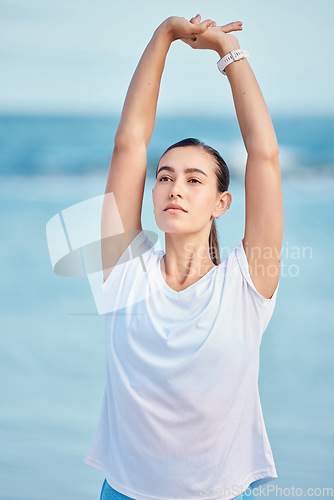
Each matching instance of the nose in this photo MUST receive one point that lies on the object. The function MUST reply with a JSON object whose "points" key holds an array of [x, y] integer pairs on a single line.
{"points": [[174, 191]]}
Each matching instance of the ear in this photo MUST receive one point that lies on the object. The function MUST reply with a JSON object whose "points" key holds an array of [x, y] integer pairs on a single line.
{"points": [[224, 202]]}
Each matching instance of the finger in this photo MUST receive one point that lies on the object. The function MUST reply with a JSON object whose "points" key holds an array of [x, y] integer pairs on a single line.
{"points": [[196, 19], [235, 26], [203, 26], [189, 41]]}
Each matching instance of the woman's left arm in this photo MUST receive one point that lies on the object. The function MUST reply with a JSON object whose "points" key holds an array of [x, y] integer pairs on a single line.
{"points": [[264, 208]]}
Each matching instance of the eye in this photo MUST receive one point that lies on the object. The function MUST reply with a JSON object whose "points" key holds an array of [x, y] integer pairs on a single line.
{"points": [[168, 178]]}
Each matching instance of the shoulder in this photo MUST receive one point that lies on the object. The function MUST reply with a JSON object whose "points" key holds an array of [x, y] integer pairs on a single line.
{"points": [[236, 268], [143, 249]]}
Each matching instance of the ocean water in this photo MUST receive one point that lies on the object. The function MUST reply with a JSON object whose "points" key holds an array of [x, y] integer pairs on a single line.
{"points": [[52, 358], [45, 145]]}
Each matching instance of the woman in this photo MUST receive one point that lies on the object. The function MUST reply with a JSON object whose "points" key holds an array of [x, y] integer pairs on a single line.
{"points": [[181, 416]]}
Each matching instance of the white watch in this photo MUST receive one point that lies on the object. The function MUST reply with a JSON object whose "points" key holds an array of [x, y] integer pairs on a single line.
{"points": [[234, 55]]}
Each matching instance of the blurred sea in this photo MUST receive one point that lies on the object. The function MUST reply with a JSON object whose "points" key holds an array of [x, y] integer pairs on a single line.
{"points": [[44, 145], [52, 357]]}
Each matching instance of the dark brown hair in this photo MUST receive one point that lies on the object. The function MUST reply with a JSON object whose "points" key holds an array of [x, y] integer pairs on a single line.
{"points": [[223, 181]]}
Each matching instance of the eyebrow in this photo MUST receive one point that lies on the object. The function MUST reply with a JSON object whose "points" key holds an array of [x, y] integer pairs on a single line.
{"points": [[186, 170]]}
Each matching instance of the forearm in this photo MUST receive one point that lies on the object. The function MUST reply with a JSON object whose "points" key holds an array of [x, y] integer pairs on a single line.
{"points": [[253, 116], [139, 110]]}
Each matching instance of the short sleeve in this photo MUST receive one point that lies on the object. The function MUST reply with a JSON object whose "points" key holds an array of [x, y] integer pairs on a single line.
{"points": [[124, 284], [243, 263], [258, 309]]}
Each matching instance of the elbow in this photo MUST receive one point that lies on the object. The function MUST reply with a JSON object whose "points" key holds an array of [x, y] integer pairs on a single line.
{"points": [[122, 141], [126, 144], [268, 154], [129, 138]]}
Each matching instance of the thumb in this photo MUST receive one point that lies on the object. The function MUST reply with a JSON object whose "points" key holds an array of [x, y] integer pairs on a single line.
{"points": [[196, 19]]}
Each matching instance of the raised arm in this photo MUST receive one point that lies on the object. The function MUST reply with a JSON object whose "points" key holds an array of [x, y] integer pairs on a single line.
{"points": [[264, 209], [127, 173]]}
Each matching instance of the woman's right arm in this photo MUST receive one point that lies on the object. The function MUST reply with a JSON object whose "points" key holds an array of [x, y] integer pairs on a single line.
{"points": [[127, 172]]}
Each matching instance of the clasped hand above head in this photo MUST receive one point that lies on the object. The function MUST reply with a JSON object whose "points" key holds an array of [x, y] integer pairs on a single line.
{"points": [[204, 34]]}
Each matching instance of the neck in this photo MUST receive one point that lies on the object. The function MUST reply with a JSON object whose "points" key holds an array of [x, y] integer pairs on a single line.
{"points": [[187, 257]]}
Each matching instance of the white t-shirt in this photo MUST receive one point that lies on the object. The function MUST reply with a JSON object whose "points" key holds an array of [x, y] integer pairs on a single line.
{"points": [[181, 416]]}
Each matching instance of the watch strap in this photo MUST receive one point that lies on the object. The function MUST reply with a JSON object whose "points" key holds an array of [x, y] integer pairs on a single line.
{"points": [[234, 55]]}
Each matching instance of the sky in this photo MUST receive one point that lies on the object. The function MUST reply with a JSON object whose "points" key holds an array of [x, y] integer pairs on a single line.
{"points": [[77, 57]]}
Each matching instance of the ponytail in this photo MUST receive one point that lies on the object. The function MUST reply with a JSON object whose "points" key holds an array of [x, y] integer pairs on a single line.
{"points": [[213, 244]]}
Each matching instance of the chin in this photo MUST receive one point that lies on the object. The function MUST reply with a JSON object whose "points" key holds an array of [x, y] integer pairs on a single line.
{"points": [[171, 226]]}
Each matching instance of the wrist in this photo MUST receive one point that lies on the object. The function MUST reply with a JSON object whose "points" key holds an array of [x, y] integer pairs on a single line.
{"points": [[166, 30], [231, 57], [225, 48]]}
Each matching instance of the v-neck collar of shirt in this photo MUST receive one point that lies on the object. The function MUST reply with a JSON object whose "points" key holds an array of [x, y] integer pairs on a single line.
{"points": [[189, 288]]}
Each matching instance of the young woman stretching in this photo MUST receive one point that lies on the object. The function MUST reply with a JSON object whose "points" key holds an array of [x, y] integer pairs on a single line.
{"points": [[181, 416]]}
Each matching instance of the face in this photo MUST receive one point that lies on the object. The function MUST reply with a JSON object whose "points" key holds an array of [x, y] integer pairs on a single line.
{"points": [[195, 191]]}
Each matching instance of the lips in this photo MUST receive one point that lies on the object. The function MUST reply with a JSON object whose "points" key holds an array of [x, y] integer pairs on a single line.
{"points": [[174, 206]]}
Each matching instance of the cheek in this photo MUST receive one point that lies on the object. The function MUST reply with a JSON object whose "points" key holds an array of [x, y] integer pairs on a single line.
{"points": [[155, 195], [203, 203], [203, 197], [159, 189]]}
